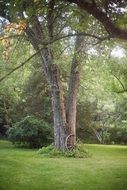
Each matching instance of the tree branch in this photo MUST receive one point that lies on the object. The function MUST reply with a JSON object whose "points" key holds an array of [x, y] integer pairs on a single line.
{"points": [[78, 34], [11, 36], [124, 89], [19, 66], [50, 42], [101, 16], [83, 34]]}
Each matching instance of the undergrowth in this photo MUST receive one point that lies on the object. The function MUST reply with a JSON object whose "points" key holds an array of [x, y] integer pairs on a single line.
{"points": [[78, 152]]}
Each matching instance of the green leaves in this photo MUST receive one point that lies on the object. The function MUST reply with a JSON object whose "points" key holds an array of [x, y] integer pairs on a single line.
{"points": [[31, 132]]}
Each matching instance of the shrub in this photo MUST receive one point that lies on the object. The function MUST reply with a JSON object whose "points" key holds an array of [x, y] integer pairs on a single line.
{"points": [[78, 152], [118, 135], [31, 132]]}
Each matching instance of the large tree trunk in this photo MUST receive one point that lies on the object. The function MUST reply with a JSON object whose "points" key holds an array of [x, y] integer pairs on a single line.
{"points": [[53, 77], [73, 90], [63, 128], [58, 105], [64, 120]]}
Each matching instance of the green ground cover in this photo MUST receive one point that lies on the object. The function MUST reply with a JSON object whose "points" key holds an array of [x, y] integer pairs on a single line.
{"points": [[23, 169]]}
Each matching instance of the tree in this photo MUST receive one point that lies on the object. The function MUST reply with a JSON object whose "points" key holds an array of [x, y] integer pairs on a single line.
{"points": [[64, 119], [44, 23]]}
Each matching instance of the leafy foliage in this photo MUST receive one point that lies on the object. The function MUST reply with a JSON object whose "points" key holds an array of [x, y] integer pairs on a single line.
{"points": [[118, 135], [78, 152], [31, 132]]}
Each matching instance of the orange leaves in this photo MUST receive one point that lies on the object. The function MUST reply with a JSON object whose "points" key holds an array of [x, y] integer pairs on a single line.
{"points": [[17, 28], [11, 28], [21, 27], [6, 44], [6, 55]]}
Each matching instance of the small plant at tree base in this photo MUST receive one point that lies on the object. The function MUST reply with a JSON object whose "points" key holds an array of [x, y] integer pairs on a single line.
{"points": [[78, 152], [31, 132]]}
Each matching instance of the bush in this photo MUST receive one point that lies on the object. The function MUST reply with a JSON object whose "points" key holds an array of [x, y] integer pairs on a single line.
{"points": [[118, 135], [78, 152], [31, 132]]}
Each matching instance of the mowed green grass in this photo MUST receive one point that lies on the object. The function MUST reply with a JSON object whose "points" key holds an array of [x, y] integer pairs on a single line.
{"points": [[23, 169]]}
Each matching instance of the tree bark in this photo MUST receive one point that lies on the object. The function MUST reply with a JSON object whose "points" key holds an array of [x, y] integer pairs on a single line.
{"points": [[72, 91], [58, 105], [53, 77]]}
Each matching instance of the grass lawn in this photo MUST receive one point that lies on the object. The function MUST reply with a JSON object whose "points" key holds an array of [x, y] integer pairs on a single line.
{"points": [[23, 169]]}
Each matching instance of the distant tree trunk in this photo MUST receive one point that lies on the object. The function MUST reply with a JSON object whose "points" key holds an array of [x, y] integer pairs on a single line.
{"points": [[6, 114], [97, 134]]}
